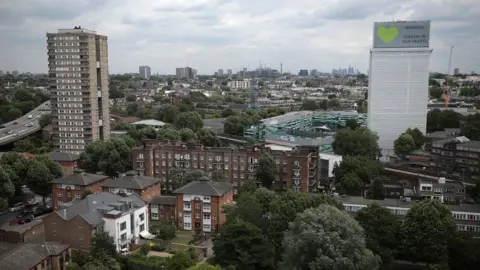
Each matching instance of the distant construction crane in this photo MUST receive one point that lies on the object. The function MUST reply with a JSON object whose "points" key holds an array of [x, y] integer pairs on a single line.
{"points": [[446, 90]]}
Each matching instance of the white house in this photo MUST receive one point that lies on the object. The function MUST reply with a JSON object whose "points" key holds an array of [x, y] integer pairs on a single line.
{"points": [[124, 218]]}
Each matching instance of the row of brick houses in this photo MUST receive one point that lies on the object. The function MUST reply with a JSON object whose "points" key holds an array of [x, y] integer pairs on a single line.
{"points": [[299, 169], [196, 206], [71, 187]]}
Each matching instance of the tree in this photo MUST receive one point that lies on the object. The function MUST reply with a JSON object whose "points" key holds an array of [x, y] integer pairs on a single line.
{"points": [[309, 105], [86, 192], [52, 166], [242, 245], [207, 137], [233, 126], [435, 92], [377, 189], [464, 251], [164, 230], [283, 209], [404, 145], [438, 120], [426, 232], [248, 209], [417, 136], [355, 172], [191, 120], [168, 133], [381, 231], [7, 189], [131, 98], [204, 266], [358, 142], [103, 245], [179, 261], [352, 124], [326, 238], [38, 178], [175, 178], [167, 113], [187, 135], [44, 120], [267, 170], [111, 157], [471, 127], [250, 186]]}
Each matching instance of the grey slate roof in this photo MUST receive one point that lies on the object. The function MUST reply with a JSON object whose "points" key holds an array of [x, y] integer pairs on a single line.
{"points": [[60, 156], [164, 200], [88, 207], [80, 179], [132, 182], [204, 186], [26, 256]]}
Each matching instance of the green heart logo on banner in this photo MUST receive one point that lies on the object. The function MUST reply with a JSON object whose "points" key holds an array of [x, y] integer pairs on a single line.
{"points": [[387, 34]]}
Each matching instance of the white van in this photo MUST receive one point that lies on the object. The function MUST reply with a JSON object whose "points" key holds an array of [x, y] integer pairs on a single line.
{"points": [[30, 116]]}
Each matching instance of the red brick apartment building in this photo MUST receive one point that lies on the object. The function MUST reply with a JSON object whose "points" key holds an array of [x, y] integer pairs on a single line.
{"points": [[297, 169], [70, 187], [51, 256], [146, 187], [163, 208], [66, 160], [200, 205]]}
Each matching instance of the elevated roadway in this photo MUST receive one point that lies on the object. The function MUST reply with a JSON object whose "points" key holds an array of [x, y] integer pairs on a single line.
{"points": [[23, 126]]}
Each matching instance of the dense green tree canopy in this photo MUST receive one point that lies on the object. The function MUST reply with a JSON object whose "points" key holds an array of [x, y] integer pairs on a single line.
{"points": [[426, 232], [381, 231], [190, 119], [326, 238], [242, 245], [355, 172], [358, 142], [404, 145], [267, 170]]}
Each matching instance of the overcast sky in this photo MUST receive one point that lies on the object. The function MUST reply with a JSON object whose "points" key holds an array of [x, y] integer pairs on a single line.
{"points": [[213, 34]]}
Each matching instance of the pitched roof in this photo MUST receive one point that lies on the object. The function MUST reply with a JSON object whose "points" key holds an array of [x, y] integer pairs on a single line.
{"points": [[60, 156], [26, 256], [164, 200], [80, 179], [89, 208], [132, 182], [206, 187]]}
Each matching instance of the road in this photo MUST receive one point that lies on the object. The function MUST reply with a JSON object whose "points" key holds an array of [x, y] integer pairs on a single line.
{"points": [[19, 127]]}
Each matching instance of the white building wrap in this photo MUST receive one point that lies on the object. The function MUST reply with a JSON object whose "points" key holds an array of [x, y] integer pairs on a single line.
{"points": [[397, 93]]}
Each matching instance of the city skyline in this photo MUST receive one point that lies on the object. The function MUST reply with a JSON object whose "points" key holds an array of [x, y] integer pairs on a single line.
{"points": [[295, 33]]}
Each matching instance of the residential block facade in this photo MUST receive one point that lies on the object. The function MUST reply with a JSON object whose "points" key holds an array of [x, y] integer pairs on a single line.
{"points": [[124, 218], [70, 187], [199, 205], [79, 84], [297, 169]]}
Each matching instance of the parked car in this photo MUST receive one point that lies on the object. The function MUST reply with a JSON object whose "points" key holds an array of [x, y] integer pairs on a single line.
{"points": [[30, 116], [17, 207], [30, 124]]}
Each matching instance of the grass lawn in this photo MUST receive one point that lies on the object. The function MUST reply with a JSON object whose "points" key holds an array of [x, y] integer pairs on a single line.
{"points": [[181, 240], [182, 237]]}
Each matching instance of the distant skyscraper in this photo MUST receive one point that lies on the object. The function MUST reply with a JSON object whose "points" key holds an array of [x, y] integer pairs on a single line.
{"points": [[220, 72], [144, 72], [398, 81], [229, 72], [313, 73], [303, 72], [186, 73], [78, 70], [456, 71]]}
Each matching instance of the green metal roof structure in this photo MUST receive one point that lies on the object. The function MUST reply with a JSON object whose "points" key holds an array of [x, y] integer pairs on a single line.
{"points": [[304, 127]]}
